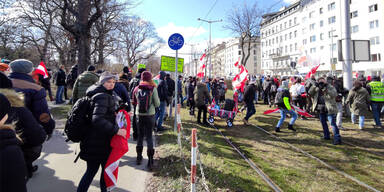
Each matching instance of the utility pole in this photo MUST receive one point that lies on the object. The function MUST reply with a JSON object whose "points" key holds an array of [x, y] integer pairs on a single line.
{"points": [[347, 63], [209, 47], [332, 63]]}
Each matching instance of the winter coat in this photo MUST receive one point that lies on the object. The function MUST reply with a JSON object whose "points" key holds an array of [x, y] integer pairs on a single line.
{"points": [[82, 83], [133, 84], [31, 132], [34, 99], [13, 172], [171, 86], [71, 78], [154, 98], [249, 93], [162, 88], [267, 85], [122, 92], [60, 78], [329, 98], [124, 82], [358, 100], [96, 144], [201, 94], [190, 90]]}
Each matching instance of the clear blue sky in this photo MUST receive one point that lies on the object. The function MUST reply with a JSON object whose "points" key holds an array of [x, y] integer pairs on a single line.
{"points": [[170, 16]]}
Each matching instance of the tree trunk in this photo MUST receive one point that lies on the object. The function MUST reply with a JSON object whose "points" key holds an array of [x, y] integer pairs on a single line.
{"points": [[100, 51], [84, 55]]}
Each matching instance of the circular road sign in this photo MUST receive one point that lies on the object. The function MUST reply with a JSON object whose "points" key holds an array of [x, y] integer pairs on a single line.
{"points": [[176, 41]]}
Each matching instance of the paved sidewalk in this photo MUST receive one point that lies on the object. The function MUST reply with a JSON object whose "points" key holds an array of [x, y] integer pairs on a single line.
{"points": [[58, 173]]}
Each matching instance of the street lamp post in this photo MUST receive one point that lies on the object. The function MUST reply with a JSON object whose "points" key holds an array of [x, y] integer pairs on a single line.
{"points": [[332, 63], [209, 47]]}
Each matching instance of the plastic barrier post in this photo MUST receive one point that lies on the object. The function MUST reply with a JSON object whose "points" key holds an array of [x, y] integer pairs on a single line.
{"points": [[193, 160]]}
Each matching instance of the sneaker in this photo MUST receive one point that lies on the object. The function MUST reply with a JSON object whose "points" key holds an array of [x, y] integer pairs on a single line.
{"points": [[245, 122], [290, 127], [337, 142], [361, 128], [277, 129]]}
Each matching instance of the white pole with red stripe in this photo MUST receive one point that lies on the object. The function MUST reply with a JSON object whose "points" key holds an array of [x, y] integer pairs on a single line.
{"points": [[193, 160], [178, 119]]}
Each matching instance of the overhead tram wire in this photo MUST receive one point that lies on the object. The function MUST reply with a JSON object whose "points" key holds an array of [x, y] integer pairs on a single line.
{"points": [[201, 23]]}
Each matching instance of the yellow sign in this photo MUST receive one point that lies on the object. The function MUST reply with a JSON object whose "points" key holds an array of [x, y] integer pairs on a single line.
{"points": [[168, 64], [333, 66], [141, 66]]}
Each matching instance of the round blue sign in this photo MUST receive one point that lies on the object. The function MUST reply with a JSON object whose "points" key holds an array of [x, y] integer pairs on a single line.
{"points": [[176, 41]]}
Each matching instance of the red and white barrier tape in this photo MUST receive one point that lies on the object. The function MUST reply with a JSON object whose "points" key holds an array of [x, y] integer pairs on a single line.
{"points": [[193, 160]]}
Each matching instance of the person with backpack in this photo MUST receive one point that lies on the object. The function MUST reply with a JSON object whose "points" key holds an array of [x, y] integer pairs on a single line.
{"points": [[96, 144], [162, 91], [201, 94], [85, 80], [146, 100], [13, 169], [249, 96], [132, 85], [324, 102], [282, 101]]}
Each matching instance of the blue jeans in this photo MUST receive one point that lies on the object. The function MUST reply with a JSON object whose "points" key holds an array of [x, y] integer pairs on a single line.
{"points": [[283, 114], [376, 108], [160, 114], [250, 110], [332, 119], [59, 94], [86, 180]]}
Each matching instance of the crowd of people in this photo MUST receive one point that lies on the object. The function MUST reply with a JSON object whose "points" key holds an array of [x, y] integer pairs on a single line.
{"points": [[26, 122]]}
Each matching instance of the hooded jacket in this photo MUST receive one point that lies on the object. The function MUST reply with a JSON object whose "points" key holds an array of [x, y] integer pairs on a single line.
{"points": [[358, 99], [96, 144], [201, 94], [31, 132], [13, 172], [329, 98], [82, 83], [154, 98]]}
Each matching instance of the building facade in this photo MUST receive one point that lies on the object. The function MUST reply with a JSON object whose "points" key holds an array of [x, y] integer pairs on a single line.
{"points": [[306, 34]]}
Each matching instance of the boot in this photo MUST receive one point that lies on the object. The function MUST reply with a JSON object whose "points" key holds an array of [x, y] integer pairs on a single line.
{"points": [[139, 151], [277, 129], [290, 127], [150, 153]]}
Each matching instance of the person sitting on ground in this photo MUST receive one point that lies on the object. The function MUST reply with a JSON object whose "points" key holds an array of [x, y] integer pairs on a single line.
{"points": [[282, 101], [201, 96], [13, 169], [83, 82], [146, 99]]}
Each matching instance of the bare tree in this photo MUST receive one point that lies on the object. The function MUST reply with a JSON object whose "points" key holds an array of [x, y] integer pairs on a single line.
{"points": [[138, 39], [77, 17], [245, 22]]}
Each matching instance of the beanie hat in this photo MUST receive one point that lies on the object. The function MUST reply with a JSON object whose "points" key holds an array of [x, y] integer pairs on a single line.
{"points": [[146, 76], [21, 66], [125, 69], [5, 82], [91, 68], [3, 67], [105, 77], [5, 106]]}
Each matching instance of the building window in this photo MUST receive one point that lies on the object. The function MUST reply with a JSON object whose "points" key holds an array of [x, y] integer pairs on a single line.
{"points": [[354, 14], [239, 52], [321, 23], [285, 36], [312, 50], [295, 20], [304, 31], [311, 14], [375, 40], [285, 25], [321, 36], [321, 10], [331, 20], [290, 47], [304, 41], [277, 39], [312, 38], [290, 35], [374, 24], [331, 6], [254, 52], [304, 19], [281, 38], [333, 47], [295, 34], [355, 29], [286, 49], [295, 46], [281, 26], [373, 8], [312, 26], [273, 41], [376, 57], [290, 23], [321, 47]]}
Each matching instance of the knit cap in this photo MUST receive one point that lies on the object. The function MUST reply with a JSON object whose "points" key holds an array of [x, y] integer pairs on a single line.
{"points": [[105, 76], [21, 66]]}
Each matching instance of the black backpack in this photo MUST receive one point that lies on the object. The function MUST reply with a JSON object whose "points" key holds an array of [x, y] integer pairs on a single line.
{"points": [[279, 97], [143, 100], [132, 85], [79, 119]]}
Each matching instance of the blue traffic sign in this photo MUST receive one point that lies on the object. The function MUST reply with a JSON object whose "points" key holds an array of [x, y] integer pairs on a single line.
{"points": [[176, 41]]}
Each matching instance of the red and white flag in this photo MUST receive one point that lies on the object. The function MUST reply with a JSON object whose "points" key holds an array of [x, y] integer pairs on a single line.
{"points": [[119, 146], [238, 83], [312, 72], [42, 70], [295, 108], [202, 65]]}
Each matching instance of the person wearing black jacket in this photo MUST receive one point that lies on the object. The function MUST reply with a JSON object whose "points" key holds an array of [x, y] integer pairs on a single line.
{"points": [[95, 148], [60, 82], [249, 96], [13, 170], [191, 101], [171, 91], [162, 90]]}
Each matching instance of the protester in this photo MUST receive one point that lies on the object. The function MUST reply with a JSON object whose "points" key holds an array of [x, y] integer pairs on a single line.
{"points": [[324, 102], [201, 96], [297, 90], [132, 85], [180, 90], [60, 83], [222, 90], [46, 83], [13, 169], [358, 100], [122, 92], [146, 99], [171, 90], [72, 76], [376, 91], [267, 89], [162, 91], [190, 93], [308, 84], [85, 80], [249, 96], [215, 90], [95, 147], [282, 101], [124, 80]]}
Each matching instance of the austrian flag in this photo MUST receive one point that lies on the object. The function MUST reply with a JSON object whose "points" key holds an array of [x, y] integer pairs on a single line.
{"points": [[238, 82], [202, 65], [42, 70]]}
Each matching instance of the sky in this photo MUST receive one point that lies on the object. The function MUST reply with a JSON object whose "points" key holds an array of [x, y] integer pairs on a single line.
{"points": [[180, 16]]}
